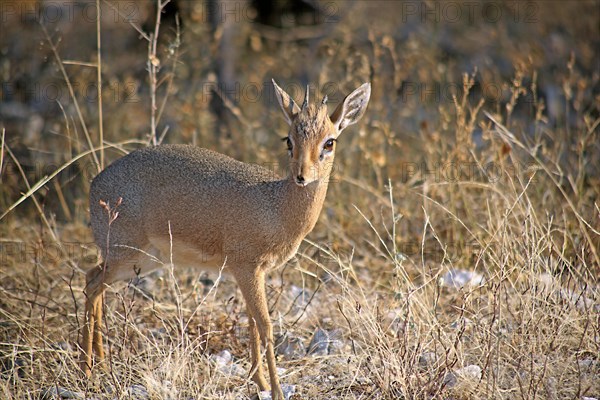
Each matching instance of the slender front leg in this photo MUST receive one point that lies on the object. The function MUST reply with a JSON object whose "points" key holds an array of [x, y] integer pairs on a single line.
{"points": [[257, 371], [252, 285]]}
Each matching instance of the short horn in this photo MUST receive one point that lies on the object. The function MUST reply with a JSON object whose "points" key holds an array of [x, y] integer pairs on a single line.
{"points": [[305, 98]]}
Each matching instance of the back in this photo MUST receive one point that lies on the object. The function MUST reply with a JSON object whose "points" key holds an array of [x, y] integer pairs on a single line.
{"points": [[179, 185], [191, 163]]}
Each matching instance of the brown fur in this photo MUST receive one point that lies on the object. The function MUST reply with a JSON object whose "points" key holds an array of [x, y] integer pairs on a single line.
{"points": [[212, 211]]}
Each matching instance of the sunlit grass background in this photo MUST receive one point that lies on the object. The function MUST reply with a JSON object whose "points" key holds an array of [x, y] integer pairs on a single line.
{"points": [[479, 152]]}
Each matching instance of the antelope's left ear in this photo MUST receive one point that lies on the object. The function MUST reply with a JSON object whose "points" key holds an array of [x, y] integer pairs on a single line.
{"points": [[352, 108]]}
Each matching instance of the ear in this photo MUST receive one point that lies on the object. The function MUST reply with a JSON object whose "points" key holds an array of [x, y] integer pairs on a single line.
{"points": [[288, 105], [352, 108]]}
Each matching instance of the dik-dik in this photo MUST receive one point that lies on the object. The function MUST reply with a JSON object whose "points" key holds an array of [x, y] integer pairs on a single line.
{"points": [[208, 210]]}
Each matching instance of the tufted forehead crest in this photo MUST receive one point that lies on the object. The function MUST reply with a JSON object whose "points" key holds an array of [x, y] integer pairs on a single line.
{"points": [[312, 121]]}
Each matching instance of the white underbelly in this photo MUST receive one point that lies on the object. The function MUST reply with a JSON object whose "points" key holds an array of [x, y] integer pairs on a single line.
{"points": [[184, 255]]}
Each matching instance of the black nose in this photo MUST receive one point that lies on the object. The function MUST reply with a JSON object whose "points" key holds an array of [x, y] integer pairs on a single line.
{"points": [[300, 179]]}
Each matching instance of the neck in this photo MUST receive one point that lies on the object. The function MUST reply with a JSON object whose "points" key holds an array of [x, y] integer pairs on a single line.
{"points": [[302, 205]]}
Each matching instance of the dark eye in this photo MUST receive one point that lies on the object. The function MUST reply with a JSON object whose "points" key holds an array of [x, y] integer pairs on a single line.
{"points": [[289, 144], [329, 144]]}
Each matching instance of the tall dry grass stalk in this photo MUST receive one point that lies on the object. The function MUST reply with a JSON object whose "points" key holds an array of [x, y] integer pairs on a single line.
{"points": [[505, 187]]}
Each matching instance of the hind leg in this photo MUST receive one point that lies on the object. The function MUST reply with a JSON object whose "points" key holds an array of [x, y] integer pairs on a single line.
{"points": [[128, 265], [97, 342], [92, 326]]}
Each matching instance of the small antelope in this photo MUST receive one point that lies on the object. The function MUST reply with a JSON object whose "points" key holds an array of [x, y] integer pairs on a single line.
{"points": [[205, 209]]}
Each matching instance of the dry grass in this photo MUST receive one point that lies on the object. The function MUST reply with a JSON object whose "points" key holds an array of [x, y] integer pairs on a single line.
{"points": [[494, 171]]}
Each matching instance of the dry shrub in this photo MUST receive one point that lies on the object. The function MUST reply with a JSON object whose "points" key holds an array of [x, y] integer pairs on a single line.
{"points": [[442, 174]]}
